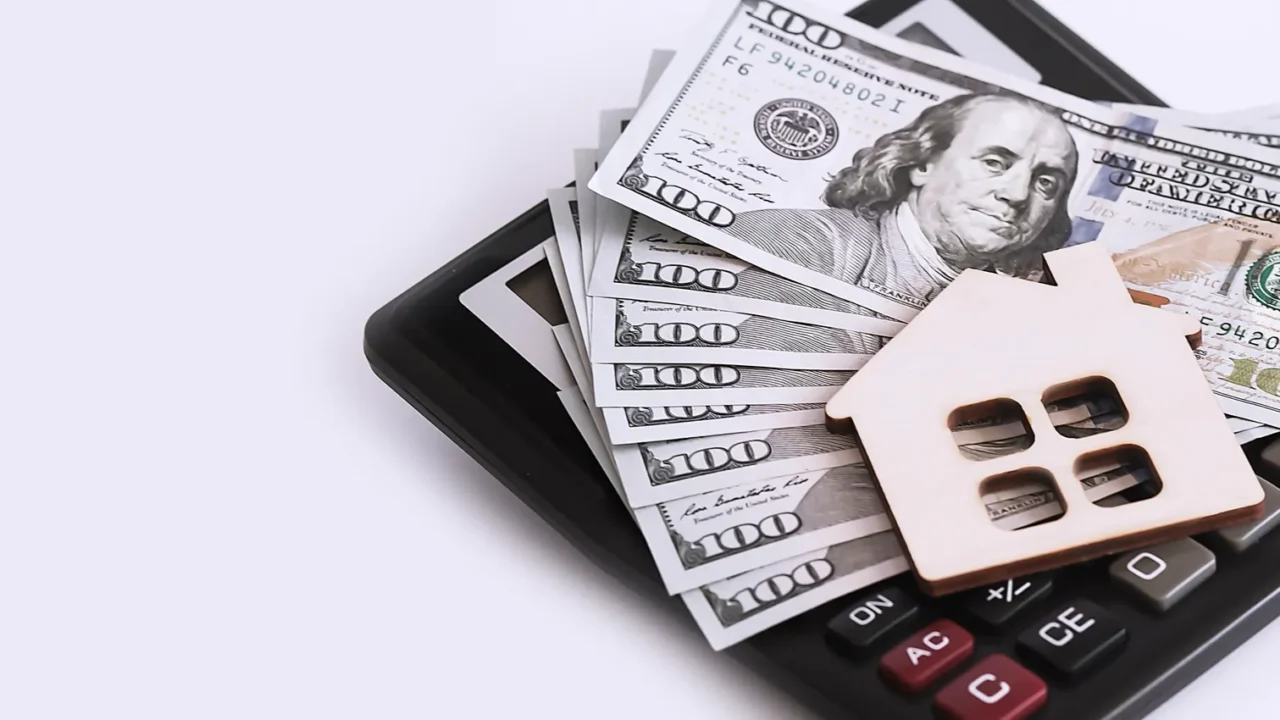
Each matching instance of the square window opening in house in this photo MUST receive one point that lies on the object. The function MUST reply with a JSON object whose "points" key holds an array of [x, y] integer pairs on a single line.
{"points": [[1022, 498], [990, 429], [1124, 470], [1084, 407]]}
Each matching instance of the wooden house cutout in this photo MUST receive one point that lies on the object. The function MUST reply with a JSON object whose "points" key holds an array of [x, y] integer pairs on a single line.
{"points": [[989, 340]]}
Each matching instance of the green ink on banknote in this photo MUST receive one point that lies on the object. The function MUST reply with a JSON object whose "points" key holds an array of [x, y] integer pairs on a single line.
{"points": [[1263, 281]]}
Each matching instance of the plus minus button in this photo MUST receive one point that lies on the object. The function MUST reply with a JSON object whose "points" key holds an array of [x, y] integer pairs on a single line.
{"points": [[994, 605], [1007, 592]]}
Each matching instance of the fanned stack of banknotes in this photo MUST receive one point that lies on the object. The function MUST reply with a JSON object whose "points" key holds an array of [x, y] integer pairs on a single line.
{"points": [[790, 190]]}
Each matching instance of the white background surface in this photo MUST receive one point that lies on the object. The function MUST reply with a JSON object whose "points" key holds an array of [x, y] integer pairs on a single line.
{"points": [[211, 508]]}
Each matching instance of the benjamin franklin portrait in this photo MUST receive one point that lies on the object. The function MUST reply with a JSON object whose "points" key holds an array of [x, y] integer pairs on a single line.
{"points": [[978, 181]]}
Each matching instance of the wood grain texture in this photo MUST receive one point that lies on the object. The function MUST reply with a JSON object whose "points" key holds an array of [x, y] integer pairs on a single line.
{"points": [[989, 337]]}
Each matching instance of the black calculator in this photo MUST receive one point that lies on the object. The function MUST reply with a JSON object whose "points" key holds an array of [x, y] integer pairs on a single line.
{"points": [[1112, 638]]}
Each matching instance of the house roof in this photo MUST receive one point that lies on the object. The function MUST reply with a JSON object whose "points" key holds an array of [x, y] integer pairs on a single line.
{"points": [[984, 326], [988, 337]]}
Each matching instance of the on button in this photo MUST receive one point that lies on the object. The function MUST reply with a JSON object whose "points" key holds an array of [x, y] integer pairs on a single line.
{"points": [[873, 617]]}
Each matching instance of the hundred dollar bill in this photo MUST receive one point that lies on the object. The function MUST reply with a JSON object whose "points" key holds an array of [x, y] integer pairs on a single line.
{"points": [[585, 415], [1078, 416], [876, 170], [612, 125], [731, 610], [594, 207], [580, 413], [1028, 503], [563, 204], [1018, 439], [635, 331], [653, 423], [631, 425], [640, 259], [656, 472], [1248, 436], [1266, 133], [1072, 409], [574, 348], [635, 384], [696, 540], [580, 403], [585, 161], [1227, 274], [1240, 424]]}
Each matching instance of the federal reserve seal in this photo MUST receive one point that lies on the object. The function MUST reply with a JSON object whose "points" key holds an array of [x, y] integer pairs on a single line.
{"points": [[1263, 281], [796, 129]]}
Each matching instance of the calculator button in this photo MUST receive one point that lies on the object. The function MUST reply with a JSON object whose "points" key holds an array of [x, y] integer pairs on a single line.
{"points": [[1239, 538], [995, 689], [926, 656], [871, 618], [995, 604], [1073, 638], [1163, 574]]}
